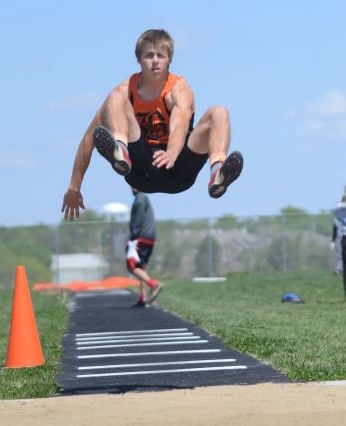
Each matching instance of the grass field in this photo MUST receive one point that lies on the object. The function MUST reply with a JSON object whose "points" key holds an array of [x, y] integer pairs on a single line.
{"points": [[51, 319], [305, 341]]}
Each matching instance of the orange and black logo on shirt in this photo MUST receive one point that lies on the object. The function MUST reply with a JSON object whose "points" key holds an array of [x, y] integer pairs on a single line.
{"points": [[153, 126]]}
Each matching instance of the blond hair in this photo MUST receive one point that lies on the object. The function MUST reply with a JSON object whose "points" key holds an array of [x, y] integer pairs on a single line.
{"points": [[157, 38]]}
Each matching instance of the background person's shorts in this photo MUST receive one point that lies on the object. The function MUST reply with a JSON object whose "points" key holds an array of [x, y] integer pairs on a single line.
{"points": [[144, 249]]}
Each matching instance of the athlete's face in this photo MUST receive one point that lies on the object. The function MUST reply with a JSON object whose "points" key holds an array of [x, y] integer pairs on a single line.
{"points": [[154, 60]]}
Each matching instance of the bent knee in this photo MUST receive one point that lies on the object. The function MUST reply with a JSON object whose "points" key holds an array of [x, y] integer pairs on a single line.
{"points": [[218, 112], [215, 115], [131, 264]]}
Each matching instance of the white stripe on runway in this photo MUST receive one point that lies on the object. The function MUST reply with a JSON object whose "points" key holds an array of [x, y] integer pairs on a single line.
{"points": [[178, 370], [129, 354], [156, 364], [133, 345], [140, 340], [131, 336], [107, 333]]}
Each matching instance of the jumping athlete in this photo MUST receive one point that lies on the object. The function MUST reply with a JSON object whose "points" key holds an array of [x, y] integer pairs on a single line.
{"points": [[145, 130]]}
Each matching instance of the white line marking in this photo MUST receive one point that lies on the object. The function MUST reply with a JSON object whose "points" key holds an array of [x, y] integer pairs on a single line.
{"points": [[152, 339], [132, 345], [107, 333], [129, 354], [156, 364], [178, 370], [125, 336]]}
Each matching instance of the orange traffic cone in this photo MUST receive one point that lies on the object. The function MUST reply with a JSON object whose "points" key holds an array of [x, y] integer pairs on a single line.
{"points": [[24, 347]]}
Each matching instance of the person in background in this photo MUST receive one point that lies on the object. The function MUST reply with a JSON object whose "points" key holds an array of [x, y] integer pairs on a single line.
{"points": [[145, 130], [140, 246], [340, 222], [335, 245]]}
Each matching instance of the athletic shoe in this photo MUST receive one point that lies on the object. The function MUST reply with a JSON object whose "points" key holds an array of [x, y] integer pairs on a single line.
{"points": [[115, 152], [227, 173], [155, 291], [140, 304]]}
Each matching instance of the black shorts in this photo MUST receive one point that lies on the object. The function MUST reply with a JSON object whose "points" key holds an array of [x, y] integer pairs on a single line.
{"points": [[144, 249], [147, 178], [144, 252]]}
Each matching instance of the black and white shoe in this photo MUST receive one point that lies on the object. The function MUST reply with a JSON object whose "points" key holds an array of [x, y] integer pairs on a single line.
{"points": [[227, 173], [115, 152]]}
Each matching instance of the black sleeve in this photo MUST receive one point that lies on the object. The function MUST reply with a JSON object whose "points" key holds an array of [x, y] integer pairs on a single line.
{"points": [[334, 232]]}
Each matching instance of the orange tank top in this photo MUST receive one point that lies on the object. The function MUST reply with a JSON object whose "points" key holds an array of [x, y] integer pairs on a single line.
{"points": [[153, 115]]}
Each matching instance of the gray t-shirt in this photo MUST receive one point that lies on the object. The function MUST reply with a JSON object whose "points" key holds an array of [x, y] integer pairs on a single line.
{"points": [[340, 218], [142, 220]]}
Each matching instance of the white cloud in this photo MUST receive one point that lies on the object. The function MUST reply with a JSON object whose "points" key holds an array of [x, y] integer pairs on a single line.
{"points": [[340, 126], [83, 100], [324, 117], [14, 160], [313, 126], [332, 104]]}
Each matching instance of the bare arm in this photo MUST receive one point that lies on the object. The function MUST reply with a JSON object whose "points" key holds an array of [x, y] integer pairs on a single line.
{"points": [[73, 199], [181, 102]]}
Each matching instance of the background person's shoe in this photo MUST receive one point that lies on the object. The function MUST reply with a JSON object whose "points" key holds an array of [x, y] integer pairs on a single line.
{"points": [[140, 304], [115, 152], [227, 173], [155, 291]]}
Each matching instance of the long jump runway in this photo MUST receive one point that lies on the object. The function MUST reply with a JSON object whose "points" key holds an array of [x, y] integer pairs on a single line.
{"points": [[113, 347]]}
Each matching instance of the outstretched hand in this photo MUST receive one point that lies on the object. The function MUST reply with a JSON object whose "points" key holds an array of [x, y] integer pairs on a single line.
{"points": [[73, 200], [163, 158]]}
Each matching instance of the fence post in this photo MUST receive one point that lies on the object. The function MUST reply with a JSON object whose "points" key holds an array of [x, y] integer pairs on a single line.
{"points": [[210, 250], [284, 241], [56, 251]]}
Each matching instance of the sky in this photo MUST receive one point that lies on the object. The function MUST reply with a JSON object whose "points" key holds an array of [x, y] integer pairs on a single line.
{"points": [[279, 67]]}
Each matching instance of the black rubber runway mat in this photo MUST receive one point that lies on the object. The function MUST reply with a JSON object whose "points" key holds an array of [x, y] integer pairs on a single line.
{"points": [[113, 347]]}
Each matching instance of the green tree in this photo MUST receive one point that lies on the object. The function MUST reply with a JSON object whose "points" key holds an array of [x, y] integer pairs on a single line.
{"points": [[31, 247]]}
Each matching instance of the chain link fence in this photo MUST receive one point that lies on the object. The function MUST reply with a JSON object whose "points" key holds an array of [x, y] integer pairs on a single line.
{"points": [[212, 247]]}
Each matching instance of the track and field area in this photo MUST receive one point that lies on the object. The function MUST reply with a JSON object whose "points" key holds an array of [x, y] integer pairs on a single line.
{"points": [[113, 347]]}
